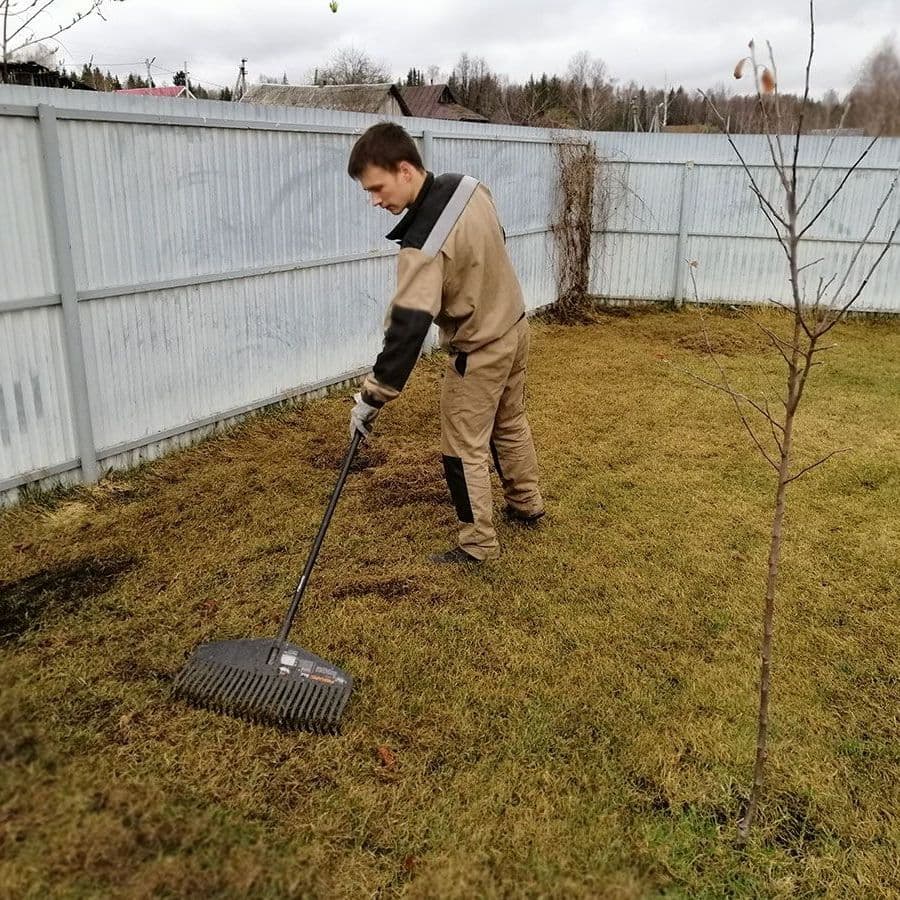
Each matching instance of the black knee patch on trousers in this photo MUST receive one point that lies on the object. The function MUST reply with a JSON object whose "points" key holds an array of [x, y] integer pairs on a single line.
{"points": [[456, 481], [496, 457]]}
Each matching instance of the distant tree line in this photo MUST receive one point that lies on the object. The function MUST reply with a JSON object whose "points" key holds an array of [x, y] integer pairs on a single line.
{"points": [[586, 98], [105, 81]]}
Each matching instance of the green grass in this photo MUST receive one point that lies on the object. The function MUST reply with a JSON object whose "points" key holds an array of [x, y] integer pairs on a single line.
{"points": [[574, 720]]}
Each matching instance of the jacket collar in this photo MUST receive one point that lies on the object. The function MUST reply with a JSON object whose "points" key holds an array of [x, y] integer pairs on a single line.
{"points": [[398, 233]]}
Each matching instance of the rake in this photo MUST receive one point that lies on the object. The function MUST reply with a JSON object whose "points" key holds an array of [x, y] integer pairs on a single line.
{"points": [[271, 681]]}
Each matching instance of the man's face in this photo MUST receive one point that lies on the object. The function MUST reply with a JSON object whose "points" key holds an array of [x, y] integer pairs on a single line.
{"points": [[393, 191]]}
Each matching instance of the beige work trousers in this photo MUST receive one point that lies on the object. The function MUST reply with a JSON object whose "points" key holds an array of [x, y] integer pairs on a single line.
{"points": [[483, 414]]}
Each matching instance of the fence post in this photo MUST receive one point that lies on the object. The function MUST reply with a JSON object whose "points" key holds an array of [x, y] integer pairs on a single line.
{"points": [[65, 277], [428, 149], [686, 197]]}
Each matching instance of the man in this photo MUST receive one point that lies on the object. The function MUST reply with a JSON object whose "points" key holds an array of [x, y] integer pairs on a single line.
{"points": [[453, 269]]}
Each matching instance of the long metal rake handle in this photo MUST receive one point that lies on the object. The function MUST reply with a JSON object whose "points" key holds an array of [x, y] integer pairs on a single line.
{"points": [[317, 544]]}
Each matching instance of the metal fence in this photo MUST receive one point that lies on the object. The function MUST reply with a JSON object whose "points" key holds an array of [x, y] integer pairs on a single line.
{"points": [[174, 265], [676, 198]]}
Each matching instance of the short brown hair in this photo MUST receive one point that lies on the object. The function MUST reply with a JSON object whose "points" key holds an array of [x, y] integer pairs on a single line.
{"points": [[386, 145]]}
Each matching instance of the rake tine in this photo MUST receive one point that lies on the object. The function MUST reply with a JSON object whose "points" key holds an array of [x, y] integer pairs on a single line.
{"points": [[309, 700], [209, 680], [246, 678], [334, 706], [318, 714], [246, 693], [235, 678], [284, 701], [317, 710], [279, 697]]}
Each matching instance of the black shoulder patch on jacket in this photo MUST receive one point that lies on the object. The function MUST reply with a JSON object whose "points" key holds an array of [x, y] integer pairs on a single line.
{"points": [[406, 332], [416, 225]]}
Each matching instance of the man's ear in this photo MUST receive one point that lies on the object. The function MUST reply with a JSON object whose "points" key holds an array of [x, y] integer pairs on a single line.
{"points": [[405, 169]]}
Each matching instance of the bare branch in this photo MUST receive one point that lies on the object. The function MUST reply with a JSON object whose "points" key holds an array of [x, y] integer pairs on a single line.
{"points": [[823, 287], [735, 396], [803, 104], [814, 465], [777, 342], [725, 389], [722, 372], [828, 326], [33, 16], [777, 110], [777, 161], [825, 156], [806, 369], [868, 234], [778, 303], [693, 282], [756, 189], [775, 228], [775, 434], [757, 442], [809, 265], [38, 7], [837, 190]]}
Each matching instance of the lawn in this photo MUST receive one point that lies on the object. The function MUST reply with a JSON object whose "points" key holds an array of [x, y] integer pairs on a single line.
{"points": [[576, 719]]}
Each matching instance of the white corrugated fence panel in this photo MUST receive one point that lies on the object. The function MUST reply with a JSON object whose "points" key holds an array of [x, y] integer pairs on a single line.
{"points": [[26, 259], [633, 266], [254, 199], [35, 410], [532, 258], [164, 359], [159, 203], [515, 172]]}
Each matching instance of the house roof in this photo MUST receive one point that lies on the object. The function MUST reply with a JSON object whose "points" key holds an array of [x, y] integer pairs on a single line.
{"points": [[172, 90], [366, 98], [436, 101], [33, 73]]}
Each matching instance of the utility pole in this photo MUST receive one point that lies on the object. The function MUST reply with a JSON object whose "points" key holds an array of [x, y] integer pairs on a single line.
{"points": [[240, 85], [148, 63], [665, 118]]}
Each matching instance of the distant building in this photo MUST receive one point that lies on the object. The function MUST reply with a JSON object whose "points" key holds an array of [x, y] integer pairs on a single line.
{"points": [[171, 90], [689, 129], [839, 132], [381, 99], [437, 101], [36, 75]]}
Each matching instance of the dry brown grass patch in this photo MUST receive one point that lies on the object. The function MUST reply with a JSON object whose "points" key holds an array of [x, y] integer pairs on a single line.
{"points": [[575, 719]]}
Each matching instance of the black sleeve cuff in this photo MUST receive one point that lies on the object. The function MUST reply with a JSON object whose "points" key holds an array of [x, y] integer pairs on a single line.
{"points": [[403, 341], [368, 398]]}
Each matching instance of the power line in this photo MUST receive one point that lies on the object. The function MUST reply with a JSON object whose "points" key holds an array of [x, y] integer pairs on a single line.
{"points": [[143, 63], [100, 65], [196, 80]]}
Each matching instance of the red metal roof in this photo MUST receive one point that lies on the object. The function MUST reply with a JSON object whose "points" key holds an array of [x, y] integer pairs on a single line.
{"points": [[436, 101], [173, 90]]}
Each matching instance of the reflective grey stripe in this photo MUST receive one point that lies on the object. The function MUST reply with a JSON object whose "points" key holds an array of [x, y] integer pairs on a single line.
{"points": [[447, 219]]}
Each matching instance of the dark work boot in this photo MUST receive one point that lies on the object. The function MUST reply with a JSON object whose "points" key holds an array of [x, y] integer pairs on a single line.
{"points": [[456, 555], [520, 518]]}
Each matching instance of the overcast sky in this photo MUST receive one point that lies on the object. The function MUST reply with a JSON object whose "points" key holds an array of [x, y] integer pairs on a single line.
{"points": [[694, 43]]}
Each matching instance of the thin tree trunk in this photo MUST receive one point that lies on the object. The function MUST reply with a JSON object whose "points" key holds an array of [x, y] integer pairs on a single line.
{"points": [[765, 668]]}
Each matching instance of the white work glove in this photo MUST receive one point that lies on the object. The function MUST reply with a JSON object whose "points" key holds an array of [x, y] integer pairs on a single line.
{"points": [[362, 416]]}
